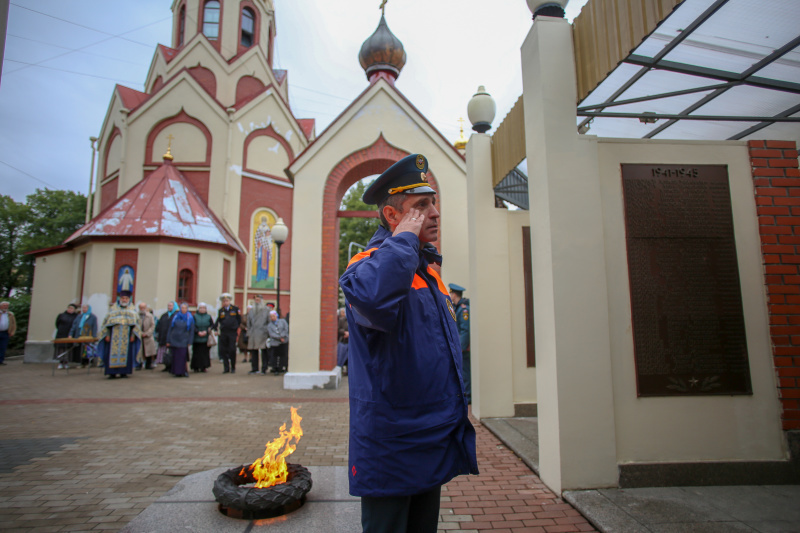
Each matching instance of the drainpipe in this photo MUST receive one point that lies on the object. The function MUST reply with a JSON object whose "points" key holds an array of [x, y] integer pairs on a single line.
{"points": [[91, 183]]}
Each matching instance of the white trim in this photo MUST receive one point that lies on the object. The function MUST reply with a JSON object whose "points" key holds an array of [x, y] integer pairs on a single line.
{"points": [[268, 180]]}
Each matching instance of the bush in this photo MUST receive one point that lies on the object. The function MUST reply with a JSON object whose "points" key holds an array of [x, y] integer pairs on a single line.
{"points": [[20, 305]]}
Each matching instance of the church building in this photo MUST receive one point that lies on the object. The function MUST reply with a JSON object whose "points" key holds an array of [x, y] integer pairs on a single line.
{"points": [[194, 172]]}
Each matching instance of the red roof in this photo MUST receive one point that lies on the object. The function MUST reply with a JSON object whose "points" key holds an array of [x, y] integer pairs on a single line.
{"points": [[307, 124], [164, 204], [131, 98], [167, 52]]}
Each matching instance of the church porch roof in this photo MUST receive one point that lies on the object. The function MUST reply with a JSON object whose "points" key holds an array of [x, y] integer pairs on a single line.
{"points": [[164, 204]]}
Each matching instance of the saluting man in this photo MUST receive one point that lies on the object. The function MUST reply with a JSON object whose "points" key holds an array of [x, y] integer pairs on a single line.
{"points": [[409, 429], [462, 323], [227, 324]]}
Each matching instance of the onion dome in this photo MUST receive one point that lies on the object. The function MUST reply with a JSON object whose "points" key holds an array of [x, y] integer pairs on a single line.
{"points": [[382, 53], [461, 142]]}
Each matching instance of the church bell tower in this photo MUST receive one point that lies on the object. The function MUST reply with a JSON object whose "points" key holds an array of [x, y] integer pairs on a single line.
{"points": [[232, 27]]}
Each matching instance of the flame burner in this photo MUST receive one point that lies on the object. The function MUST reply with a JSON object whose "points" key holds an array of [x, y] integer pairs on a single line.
{"points": [[251, 503]]}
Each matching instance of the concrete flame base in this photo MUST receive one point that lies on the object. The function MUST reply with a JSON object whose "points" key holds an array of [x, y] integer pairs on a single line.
{"points": [[190, 506]]}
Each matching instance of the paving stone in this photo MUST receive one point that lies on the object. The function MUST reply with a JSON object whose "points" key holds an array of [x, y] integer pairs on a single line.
{"points": [[107, 451]]}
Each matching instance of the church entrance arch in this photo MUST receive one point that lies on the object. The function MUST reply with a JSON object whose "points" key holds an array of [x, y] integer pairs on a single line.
{"points": [[356, 166]]}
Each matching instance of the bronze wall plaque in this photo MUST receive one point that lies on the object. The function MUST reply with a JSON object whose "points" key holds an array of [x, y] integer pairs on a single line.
{"points": [[686, 301]]}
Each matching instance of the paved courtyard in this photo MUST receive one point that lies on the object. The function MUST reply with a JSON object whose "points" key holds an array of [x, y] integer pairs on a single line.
{"points": [[82, 453]]}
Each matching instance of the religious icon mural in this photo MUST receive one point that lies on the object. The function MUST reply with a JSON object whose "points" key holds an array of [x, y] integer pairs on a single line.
{"points": [[262, 274], [125, 278]]}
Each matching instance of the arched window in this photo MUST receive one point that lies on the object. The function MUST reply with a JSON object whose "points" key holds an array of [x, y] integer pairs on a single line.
{"points": [[185, 285], [181, 26], [248, 27], [211, 20]]}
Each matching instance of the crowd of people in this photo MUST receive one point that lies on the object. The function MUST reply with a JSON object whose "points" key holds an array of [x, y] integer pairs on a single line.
{"points": [[134, 339]]}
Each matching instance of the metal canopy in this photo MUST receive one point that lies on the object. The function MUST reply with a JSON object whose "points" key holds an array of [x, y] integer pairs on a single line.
{"points": [[713, 69], [514, 188]]}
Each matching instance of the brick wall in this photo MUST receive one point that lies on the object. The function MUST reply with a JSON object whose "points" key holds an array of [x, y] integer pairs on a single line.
{"points": [[360, 164], [777, 191]]}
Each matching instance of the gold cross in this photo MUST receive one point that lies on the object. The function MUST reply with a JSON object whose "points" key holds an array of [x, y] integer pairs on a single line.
{"points": [[383, 8], [168, 155]]}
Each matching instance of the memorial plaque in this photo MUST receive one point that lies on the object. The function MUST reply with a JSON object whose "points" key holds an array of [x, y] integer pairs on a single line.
{"points": [[686, 301]]}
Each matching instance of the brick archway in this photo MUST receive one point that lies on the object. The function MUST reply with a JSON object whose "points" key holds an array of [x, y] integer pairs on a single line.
{"points": [[356, 166]]}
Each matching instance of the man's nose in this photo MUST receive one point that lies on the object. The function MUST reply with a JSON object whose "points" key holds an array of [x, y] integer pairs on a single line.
{"points": [[433, 212]]}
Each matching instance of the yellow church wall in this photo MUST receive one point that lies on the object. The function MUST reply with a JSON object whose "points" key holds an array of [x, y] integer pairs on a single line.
{"points": [[379, 112], [57, 280], [188, 141], [268, 111], [114, 156], [114, 119], [52, 292], [268, 154], [185, 95]]}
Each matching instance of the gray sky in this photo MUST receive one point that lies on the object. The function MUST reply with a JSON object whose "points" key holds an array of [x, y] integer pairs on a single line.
{"points": [[63, 58]]}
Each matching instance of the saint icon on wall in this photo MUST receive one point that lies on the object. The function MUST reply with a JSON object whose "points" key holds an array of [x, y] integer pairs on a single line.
{"points": [[125, 278], [262, 275]]}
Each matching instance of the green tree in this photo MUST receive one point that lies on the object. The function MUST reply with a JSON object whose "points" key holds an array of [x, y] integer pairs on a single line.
{"points": [[358, 230], [13, 223], [53, 216]]}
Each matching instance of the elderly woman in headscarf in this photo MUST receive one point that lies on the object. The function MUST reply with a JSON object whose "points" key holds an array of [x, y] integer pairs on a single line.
{"points": [[179, 337], [162, 327], [84, 325], [203, 322]]}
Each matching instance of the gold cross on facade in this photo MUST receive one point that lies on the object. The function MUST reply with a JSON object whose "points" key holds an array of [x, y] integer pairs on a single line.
{"points": [[168, 155], [383, 7]]}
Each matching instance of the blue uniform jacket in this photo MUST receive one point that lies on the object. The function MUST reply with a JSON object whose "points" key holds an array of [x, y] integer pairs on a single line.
{"points": [[409, 430]]}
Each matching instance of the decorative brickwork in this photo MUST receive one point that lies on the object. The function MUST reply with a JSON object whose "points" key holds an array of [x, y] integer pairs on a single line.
{"points": [[108, 194], [777, 190], [358, 165]]}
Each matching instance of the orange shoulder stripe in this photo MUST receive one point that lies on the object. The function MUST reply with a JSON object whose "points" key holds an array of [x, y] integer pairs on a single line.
{"points": [[439, 281], [418, 283], [361, 255]]}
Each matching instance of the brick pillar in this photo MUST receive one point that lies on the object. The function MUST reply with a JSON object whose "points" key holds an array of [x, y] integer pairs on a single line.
{"points": [[777, 190]]}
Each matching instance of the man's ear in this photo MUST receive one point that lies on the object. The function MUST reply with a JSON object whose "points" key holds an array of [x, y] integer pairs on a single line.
{"points": [[391, 215]]}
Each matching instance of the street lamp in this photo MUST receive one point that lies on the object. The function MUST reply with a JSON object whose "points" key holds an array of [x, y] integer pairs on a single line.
{"points": [[280, 232], [481, 110]]}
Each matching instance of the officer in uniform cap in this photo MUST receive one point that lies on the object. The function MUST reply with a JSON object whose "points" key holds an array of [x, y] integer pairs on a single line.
{"points": [[407, 176], [227, 324], [462, 321], [409, 429]]}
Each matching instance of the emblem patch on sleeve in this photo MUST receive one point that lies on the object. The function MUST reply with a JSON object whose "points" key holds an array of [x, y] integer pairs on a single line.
{"points": [[465, 314], [450, 308]]}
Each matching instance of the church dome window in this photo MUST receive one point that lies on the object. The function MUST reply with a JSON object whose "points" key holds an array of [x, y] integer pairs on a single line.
{"points": [[211, 20], [248, 27]]}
